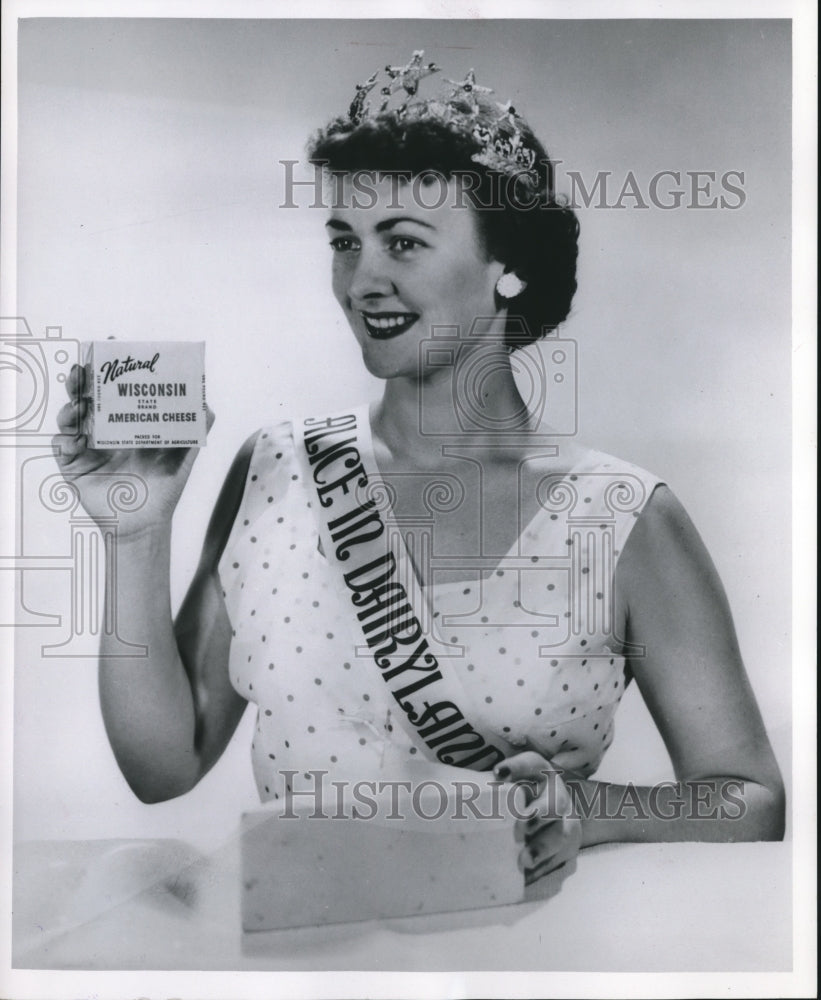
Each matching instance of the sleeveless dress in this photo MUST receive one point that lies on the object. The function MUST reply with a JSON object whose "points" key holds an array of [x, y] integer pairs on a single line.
{"points": [[531, 645]]}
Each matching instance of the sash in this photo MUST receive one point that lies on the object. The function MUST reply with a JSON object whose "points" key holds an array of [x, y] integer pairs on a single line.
{"points": [[374, 569]]}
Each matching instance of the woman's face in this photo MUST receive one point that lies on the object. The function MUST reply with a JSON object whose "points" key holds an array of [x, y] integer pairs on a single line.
{"points": [[401, 268]]}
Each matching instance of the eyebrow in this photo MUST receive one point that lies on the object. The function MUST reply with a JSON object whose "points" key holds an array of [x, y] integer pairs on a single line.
{"points": [[381, 227]]}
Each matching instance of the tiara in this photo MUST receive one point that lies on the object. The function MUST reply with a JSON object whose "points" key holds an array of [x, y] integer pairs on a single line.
{"points": [[502, 146]]}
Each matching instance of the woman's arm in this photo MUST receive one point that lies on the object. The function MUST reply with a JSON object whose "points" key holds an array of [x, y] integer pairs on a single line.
{"points": [[728, 786], [694, 683], [170, 715]]}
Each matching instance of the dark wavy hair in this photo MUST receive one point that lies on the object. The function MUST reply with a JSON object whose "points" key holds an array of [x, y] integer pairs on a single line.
{"points": [[521, 222]]}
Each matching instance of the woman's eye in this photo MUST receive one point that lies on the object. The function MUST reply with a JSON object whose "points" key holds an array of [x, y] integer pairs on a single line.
{"points": [[402, 244], [342, 244]]}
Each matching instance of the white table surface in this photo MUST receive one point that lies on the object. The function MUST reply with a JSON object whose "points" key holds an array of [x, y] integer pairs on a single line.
{"points": [[146, 904]]}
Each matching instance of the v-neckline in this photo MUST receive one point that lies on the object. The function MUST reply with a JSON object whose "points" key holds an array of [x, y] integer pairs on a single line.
{"points": [[368, 456]]}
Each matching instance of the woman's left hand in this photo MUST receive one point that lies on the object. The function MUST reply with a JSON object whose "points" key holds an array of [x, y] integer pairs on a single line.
{"points": [[551, 835]]}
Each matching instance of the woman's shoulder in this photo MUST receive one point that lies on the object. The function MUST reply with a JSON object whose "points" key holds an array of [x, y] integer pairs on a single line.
{"points": [[591, 460], [665, 537], [625, 483], [273, 448], [275, 439], [586, 473]]}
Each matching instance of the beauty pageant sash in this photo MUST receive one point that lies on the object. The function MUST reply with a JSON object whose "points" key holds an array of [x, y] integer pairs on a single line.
{"points": [[374, 570]]}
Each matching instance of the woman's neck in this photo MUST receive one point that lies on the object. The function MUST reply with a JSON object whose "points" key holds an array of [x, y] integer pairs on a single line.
{"points": [[473, 400]]}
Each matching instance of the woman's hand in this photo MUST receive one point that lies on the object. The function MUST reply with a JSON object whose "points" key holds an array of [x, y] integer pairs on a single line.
{"points": [[162, 473], [552, 835]]}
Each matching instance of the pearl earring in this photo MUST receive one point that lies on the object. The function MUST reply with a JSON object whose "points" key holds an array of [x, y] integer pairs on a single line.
{"points": [[510, 285]]}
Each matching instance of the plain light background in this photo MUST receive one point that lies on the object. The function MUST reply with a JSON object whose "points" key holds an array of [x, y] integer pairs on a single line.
{"points": [[149, 194]]}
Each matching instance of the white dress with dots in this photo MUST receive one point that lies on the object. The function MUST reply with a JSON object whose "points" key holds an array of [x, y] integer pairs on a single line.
{"points": [[530, 644]]}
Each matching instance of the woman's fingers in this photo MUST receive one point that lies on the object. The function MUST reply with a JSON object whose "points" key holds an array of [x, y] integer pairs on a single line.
{"points": [[551, 833], [553, 845], [71, 416], [67, 447], [526, 768], [76, 382], [543, 868], [546, 841], [543, 783], [67, 418], [521, 766]]}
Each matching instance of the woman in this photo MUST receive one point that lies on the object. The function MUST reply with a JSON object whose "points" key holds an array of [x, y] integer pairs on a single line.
{"points": [[442, 574]]}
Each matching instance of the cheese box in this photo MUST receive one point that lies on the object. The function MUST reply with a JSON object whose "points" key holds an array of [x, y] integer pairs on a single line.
{"points": [[146, 394], [382, 852]]}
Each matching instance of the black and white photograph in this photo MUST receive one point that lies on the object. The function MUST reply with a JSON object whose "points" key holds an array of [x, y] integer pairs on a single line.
{"points": [[407, 563]]}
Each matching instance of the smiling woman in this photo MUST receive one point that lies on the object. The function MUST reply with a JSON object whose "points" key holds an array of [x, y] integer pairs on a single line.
{"points": [[401, 270], [466, 154], [441, 573]]}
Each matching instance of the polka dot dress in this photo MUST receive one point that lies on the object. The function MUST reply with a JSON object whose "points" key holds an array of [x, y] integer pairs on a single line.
{"points": [[530, 645]]}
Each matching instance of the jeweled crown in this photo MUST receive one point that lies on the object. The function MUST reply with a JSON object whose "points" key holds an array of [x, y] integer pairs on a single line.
{"points": [[503, 145]]}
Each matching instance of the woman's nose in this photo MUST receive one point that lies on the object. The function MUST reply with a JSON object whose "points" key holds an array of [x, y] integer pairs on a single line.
{"points": [[371, 277]]}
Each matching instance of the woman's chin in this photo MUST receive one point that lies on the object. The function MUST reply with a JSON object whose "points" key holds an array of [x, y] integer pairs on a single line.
{"points": [[384, 372], [381, 365]]}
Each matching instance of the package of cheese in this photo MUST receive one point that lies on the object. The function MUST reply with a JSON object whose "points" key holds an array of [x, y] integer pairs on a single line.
{"points": [[146, 394], [381, 848]]}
